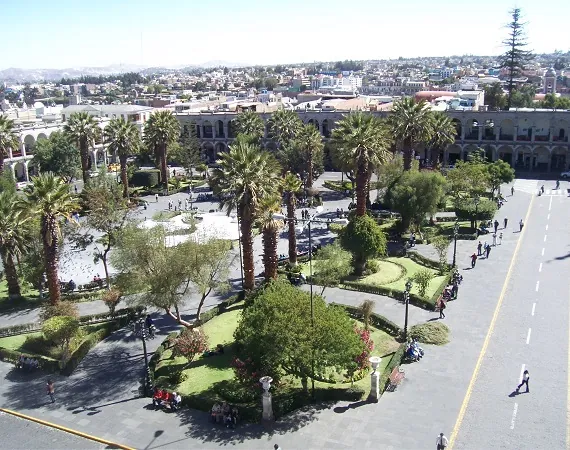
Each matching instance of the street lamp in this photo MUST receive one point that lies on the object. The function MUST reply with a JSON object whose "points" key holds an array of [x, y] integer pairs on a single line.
{"points": [[455, 233], [477, 201], [140, 330], [407, 302]]}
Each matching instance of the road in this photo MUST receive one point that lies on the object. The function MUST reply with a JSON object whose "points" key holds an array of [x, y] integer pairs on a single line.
{"points": [[531, 332], [16, 433]]}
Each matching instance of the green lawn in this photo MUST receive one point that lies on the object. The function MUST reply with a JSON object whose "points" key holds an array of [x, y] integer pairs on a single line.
{"points": [[204, 373], [15, 342], [30, 298]]}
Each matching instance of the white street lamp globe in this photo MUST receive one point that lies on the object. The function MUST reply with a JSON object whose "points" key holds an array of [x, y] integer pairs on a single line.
{"points": [[374, 362]]}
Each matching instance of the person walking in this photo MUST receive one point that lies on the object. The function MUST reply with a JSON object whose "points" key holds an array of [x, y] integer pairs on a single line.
{"points": [[276, 447], [495, 239], [442, 442], [521, 225], [496, 223], [479, 247], [51, 390], [505, 222], [473, 260], [156, 198], [512, 191], [524, 381], [500, 238], [441, 308], [488, 250]]}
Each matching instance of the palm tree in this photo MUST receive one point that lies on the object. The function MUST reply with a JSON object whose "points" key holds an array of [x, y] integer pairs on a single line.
{"points": [[82, 129], [8, 139], [443, 132], [122, 138], [161, 130], [310, 144], [14, 238], [284, 125], [410, 123], [51, 199], [361, 141], [291, 186], [268, 207], [245, 175], [249, 123]]}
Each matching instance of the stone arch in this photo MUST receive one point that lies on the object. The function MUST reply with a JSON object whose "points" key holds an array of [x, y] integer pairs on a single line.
{"points": [[42, 136], [33, 169], [561, 130], [220, 132], [452, 154], [29, 144], [208, 152], [326, 129], [542, 158], [472, 130], [488, 129], [541, 128], [505, 153], [469, 149], [489, 152], [314, 122], [208, 130], [458, 128], [231, 129], [524, 157], [558, 159], [20, 172], [220, 147], [507, 132], [524, 130]]}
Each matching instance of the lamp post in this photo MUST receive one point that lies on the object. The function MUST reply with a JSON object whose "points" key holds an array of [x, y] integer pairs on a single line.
{"points": [[142, 332], [477, 201], [455, 233], [407, 302]]}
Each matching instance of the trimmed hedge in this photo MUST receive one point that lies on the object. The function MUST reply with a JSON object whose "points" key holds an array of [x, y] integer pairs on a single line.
{"points": [[378, 321], [145, 178], [415, 300], [424, 261], [396, 360], [46, 364]]}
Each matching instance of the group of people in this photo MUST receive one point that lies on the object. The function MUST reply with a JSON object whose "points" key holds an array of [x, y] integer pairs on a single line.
{"points": [[187, 205], [28, 364], [225, 414], [484, 249], [164, 398]]}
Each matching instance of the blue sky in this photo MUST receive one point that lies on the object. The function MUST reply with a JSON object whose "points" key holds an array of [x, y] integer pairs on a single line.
{"points": [[64, 33]]}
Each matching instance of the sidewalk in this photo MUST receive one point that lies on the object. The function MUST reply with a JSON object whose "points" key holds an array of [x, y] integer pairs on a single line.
{"points": [[101, 396]]}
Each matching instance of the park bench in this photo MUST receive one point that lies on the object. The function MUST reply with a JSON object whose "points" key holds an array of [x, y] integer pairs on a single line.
{"points": [[396, 378]]}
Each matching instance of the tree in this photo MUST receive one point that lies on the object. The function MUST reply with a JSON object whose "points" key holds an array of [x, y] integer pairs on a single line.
{"points": [[189, 343], [423, 278], [467, 209], [59, 155], [366, 309], [500, 172], [468, 179], [245, 175], [364, 238], [442, 134], [14, 239], [123, 139], [361, 141], [9, 140], [415, 195], [441, 243], [7, 181], [250, 124], [50, 198], [291, 186], [269, 226], [111, 298], [495, 96], [187, 151], [390, 172], [277, 335], [308, 144], [60, 330], [410, 123], [331, 264], [516, 56], [161, 130], [523, 97], [284, 125], [83, 130]]}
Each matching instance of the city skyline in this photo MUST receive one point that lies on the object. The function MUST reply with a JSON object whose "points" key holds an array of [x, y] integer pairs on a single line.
{"points": [[71, 34]]}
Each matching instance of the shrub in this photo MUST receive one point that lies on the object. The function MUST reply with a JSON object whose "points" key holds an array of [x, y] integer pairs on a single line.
{"points": [[336, 228], [436, 333], [372, 266], [64, 308], [465, 209], [111, 299], [60, 329], [177, 377], [366, 309], [423, 278], [364, 238], [440, 243], [145, 178], [362, 359], [394, 362], [189, 343], [37, 344]]}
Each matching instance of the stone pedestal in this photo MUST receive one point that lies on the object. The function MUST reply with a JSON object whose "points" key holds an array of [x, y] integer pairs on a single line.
{"points": [[374, 387], [266, 402]]}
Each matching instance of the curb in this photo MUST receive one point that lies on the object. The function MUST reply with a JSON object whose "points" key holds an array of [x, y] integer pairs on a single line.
{"points": [[67, 430]]}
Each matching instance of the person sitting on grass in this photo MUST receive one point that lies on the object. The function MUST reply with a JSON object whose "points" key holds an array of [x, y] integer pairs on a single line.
{"points": [[218, 351], [175, 401]]}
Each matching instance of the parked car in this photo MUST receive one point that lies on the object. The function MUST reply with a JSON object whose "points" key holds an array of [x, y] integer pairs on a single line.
{"points": [[565, 175]]}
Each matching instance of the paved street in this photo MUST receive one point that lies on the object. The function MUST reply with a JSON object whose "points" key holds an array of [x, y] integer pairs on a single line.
{"points": [[532, 332]]}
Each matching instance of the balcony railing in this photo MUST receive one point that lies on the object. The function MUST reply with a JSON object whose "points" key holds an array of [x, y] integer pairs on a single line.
{"points": [[560, 139], [473, 136], [523, 137], [506, 137], [542, 138]]}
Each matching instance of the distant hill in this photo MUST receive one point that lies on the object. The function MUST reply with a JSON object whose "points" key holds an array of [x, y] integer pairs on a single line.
{"points": [[35, 75]]}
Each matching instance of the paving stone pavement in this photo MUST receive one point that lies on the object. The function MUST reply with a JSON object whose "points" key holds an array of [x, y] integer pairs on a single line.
{"points": [[102, 393]]}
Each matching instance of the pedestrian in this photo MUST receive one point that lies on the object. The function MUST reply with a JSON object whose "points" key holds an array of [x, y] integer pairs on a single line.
{"points": [[479, 247], [488, 251], [500, 238], [473, 260], [51, 390], [505, 222], [441, 442], [496, 225], [512, 191], [276, 447], [521, 225], [494, 239], [76, 189], [524, 380], [441, 308]]}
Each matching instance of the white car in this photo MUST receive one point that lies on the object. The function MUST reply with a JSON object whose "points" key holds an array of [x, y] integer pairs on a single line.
{"points": [[565, 175]]}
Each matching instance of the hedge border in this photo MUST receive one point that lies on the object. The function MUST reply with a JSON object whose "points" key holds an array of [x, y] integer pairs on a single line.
{"points": [[378, 321], [396, 360]]}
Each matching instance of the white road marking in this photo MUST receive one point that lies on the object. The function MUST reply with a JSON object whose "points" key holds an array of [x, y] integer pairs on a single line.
{"points": [[542, 252], [537, 284], [548, 217], [540, 267], [533, 308], [516, 408], [528, 336], [545, 238], [550, 205], [522, 370], [546, 227]]}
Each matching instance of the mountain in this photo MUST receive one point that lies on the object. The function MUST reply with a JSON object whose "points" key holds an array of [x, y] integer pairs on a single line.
{"points": [[33, 75]]}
